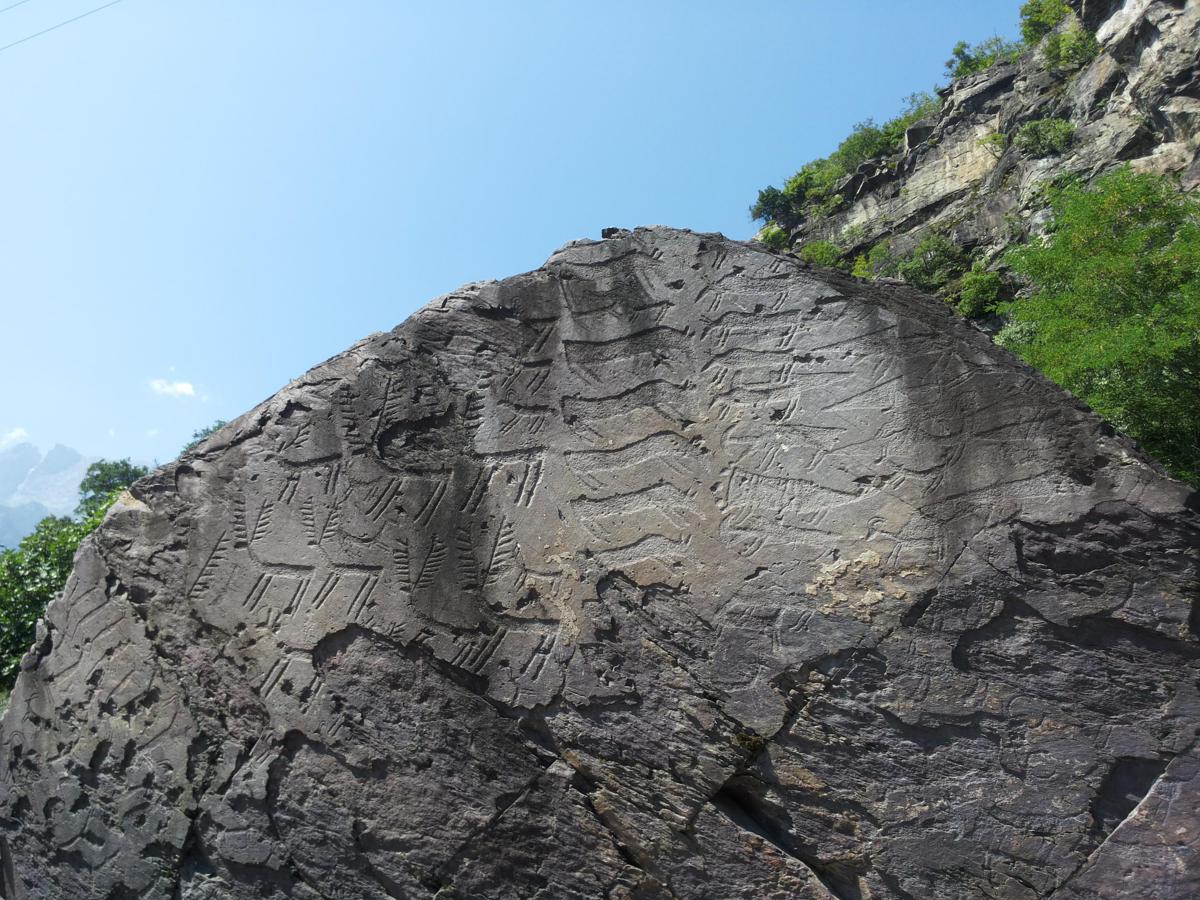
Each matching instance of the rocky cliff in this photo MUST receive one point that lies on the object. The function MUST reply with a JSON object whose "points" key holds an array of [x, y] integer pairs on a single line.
{"points": [[960, 173], [671, 569]]}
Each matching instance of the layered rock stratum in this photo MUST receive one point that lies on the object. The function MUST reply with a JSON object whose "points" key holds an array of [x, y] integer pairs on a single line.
{"points": [[674, 568], [1136, 102]]}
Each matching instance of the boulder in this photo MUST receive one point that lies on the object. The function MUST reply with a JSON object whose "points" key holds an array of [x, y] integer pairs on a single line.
{"points": [[674, 568]]}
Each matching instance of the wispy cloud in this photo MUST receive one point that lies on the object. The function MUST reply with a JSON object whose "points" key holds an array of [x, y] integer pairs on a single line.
{"points": [[15, 436], [172, 388]]}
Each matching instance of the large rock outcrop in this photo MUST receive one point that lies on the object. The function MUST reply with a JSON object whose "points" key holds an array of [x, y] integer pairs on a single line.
{"points": [[1136, 102], [671, 569]]}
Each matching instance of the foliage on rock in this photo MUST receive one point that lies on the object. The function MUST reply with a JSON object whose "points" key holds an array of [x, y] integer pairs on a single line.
{"points": [[1071, 49], [201, 433], [102, 478], [1044, 137], [971, 59], [1114, 315], [979, 292], [1040, 17], [811, 190], [33, 573], [933, 264], [821, 253], [995, 143]]}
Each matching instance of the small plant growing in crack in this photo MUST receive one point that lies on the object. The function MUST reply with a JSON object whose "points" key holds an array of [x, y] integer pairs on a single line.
{"points": [[750, 742]]}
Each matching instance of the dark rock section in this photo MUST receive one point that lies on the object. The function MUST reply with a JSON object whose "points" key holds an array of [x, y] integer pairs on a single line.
{"points": [[671, 569]]}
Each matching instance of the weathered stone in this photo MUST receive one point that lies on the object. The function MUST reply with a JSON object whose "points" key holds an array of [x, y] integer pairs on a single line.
{"points": [[1136, 102], [674, 568]]}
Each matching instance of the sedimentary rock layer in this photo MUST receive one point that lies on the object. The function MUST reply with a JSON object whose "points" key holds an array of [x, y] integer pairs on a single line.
{"points": [[1136, 102], [671, 569]]}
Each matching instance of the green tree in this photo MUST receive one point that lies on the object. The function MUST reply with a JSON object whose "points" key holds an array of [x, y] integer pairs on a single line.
{"points": [[201, 433], [1114, 314], [821, 253], [810, 192], [882, 261], [1040, 17], [980, 291], [773, 205], [32, 574], [969, 59], [102, 478], [934, 263], [995, 143], [1071, 49], [1043, 137]]}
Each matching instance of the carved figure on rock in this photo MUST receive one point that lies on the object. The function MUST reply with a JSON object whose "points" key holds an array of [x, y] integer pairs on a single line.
{"points": [[674, 568]]}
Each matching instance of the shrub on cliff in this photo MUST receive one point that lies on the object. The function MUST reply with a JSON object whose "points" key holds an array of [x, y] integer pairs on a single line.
{"points": [[1043, 137], [201, 433], [933, 264], [821, 253], [102, 478], [1114, 315], [810, 192], [1071, 49], [969, 59], [979, 292], [995, 143], [32, 574], [775, 237], [1040, 17]]}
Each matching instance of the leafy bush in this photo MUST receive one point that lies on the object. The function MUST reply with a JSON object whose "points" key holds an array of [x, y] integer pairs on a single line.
{"points": [[775, 237], [33, 574], [980, 291], [1015, 335], [1040, 17], [852, 236], [810, 192], [1115, 311], [1042, 137], [102, 478], [821, 253], [1071, 49], [934, 263], [883, 263], [772, 205], [869, 141], [201, 433], [917, 107], [995, 143], [967, 59], [878, 262]]}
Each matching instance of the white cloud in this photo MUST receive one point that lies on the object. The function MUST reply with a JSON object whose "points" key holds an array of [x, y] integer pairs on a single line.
{"points": [[172, 388], [15, 436], [152, 432]]}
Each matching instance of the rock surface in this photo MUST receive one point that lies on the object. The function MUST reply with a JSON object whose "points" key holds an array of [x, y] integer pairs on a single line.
{"points": [[671, 569], [1137, 102]]}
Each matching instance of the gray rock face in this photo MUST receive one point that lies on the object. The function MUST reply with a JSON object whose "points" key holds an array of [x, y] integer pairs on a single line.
{"points": [[671, 569]]}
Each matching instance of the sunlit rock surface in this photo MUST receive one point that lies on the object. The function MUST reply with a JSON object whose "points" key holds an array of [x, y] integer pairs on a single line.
{"points": [[671, 569], [1136, 102]]}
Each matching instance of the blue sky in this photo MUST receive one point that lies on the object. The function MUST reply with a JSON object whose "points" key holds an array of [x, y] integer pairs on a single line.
{"points": [[205, 198]]}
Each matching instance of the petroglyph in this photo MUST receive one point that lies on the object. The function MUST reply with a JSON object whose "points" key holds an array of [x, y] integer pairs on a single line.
{"points": [[674, 568]]}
